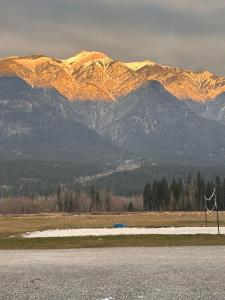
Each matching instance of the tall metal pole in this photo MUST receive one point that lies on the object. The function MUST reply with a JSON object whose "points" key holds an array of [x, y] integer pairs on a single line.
{"points": [[217, 216], [206, 221], [218, 223]]}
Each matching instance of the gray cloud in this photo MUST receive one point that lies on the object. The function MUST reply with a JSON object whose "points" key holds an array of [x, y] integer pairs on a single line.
{"points": [[185, 33]]}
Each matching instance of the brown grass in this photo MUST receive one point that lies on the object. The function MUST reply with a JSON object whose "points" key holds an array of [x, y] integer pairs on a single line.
{"points": [[14, 225]]}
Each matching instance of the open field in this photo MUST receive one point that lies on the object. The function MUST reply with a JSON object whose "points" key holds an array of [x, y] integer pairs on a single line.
{"points": [[16, 225], [12, 225]]}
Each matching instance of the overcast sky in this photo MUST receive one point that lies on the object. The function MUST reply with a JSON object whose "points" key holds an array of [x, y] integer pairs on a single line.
{"points": [[186, 33]]}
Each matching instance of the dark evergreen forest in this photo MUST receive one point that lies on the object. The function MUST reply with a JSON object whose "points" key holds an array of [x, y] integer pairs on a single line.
{"points": [[161, 195]]}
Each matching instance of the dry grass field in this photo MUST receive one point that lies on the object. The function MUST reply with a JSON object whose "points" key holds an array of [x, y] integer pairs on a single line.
{"points": [[18, 224]]}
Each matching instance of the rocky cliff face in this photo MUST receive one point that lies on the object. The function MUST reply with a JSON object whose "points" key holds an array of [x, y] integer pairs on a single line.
{"points": [[95, 76], [185, 84]]}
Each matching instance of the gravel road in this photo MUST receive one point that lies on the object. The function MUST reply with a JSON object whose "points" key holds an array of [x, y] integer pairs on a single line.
{"points": [[114, 273]]}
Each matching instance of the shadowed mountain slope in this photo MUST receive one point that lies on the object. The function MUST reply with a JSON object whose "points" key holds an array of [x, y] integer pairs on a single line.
{"points": [[39, 123], [152, 123]]}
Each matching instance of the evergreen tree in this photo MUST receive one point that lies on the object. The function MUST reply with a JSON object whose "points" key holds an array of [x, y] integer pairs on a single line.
{"points": [[219, 193], [98, 202], [60, 197], [108, 200], [147, 194], [176, 191], [130, 206], [165, 195], [93, 199], [155, 197], [199, 192]]}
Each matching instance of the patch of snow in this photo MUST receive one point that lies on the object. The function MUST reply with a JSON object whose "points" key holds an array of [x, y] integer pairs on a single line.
{"points": [[77, 57], [88, 57], [127, 165], [33, 63], [122, 231], [139, 64], [9, 57]]}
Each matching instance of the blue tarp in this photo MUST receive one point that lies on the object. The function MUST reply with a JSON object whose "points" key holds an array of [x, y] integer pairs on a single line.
{"points": [[119, 225]]}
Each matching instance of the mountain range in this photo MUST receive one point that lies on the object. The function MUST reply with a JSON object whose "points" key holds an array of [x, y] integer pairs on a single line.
{"points": [[92, 108], [95, 76]]}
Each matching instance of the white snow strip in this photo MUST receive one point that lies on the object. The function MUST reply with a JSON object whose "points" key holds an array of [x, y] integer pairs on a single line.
{"points": [[122, 231]]}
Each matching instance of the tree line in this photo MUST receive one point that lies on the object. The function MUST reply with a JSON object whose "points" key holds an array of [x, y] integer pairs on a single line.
{"points": [[67, 200], [97, 200], [177, 195], [158, 195]]}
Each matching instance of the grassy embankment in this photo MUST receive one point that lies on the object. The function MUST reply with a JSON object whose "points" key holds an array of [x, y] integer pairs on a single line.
{"points": [[16, 225]]}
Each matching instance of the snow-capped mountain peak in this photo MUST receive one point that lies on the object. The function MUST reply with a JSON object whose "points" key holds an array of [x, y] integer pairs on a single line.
{"points": [[136, 65], [92, 75], [84, 57]]}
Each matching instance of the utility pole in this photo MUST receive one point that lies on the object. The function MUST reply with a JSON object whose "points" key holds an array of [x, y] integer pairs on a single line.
{"points": [[217, 216], [206, 221]]}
